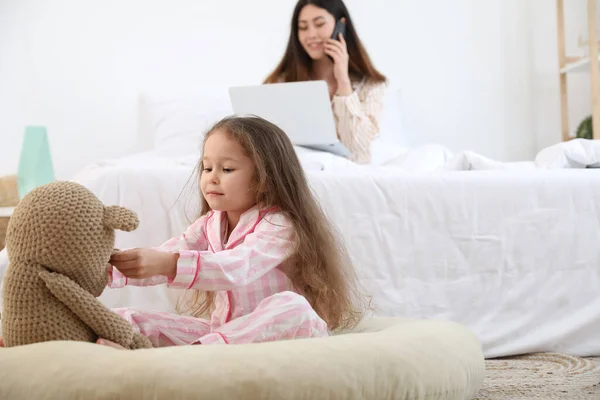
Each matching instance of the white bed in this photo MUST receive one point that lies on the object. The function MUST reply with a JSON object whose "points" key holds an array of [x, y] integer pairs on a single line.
{"points": [[514, 255], [509, 249]]}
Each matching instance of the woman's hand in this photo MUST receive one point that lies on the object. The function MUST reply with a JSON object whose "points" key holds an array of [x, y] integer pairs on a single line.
{"points": [[339, 52], [145, 263]]}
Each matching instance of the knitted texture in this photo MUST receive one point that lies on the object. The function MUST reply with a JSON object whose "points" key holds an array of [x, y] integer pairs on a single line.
{"points": [[59, 241]]}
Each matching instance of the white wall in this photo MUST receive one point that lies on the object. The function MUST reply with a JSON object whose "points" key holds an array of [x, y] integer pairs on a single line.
{"points": [[466, 67]]}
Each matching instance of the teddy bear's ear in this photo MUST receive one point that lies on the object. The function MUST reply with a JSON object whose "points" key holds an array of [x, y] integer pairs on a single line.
{"points": [[117, 217]]}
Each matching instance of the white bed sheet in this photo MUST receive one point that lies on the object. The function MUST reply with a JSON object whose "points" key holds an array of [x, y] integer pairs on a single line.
{"points": [[514, 255]]}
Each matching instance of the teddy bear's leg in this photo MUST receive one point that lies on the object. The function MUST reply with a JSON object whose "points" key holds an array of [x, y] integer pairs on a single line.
{"points": [[102, 321], [140, 342]]}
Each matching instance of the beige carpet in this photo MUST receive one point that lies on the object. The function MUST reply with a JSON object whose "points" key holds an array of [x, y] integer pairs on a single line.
{"points": [[542, 376]]}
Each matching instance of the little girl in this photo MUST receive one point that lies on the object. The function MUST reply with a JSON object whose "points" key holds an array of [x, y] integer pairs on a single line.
{"points": [[262, 258]]}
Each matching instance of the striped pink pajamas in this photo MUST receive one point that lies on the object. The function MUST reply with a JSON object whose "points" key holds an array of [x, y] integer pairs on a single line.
{"points": [[254, 300]]}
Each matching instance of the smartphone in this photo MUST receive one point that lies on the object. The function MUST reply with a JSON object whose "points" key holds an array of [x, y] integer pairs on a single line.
{"points": [[340, 27]]}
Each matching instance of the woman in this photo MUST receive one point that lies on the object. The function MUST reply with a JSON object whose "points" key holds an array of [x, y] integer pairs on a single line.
{"points": [[356, 88]]}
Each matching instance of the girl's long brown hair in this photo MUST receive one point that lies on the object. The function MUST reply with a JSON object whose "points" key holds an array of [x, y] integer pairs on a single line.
{"points": [[296, 63], [322, 271]]}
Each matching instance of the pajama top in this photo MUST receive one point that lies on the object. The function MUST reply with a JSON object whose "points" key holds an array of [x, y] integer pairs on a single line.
{"points": [[243, 272]]}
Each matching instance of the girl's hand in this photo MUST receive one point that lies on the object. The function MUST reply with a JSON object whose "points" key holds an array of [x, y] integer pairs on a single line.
{"points": [[145, 263], [339, 52]]}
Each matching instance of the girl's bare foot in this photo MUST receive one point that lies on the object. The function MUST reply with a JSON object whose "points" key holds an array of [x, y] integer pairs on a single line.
{"points": [[108, 343], [103, 342]]}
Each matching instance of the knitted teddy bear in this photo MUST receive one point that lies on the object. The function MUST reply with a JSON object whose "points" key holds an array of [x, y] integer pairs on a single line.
{"points": [[59, 241]]}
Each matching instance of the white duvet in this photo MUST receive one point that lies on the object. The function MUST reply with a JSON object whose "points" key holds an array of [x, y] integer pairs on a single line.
{"points": [[513, 253], [576, 153]]}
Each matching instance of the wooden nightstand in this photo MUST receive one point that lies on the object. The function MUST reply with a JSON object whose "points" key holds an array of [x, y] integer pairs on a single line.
{"points": [[9, 198], [5, 214]]}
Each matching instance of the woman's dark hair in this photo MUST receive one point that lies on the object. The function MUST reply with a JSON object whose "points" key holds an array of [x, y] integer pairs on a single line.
{"points": [[296, 63]]}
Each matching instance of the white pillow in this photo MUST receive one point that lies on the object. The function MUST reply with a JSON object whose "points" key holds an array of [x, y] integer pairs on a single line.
{"points": [[178, 121], [428, 157], [315, 160], [384, 151], [390, 122], [391, 142], [576, 153]]}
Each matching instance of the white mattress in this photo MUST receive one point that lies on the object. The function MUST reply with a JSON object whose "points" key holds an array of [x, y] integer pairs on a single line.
{"points": [[513, 255]]}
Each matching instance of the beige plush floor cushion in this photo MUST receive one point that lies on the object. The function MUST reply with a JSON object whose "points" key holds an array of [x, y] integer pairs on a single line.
{"points": [[382, 359]]}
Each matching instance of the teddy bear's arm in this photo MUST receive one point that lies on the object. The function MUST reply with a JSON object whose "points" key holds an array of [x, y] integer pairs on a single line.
{"points": [[105, 323]]}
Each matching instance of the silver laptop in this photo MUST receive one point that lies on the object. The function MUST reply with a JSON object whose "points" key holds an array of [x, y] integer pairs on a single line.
{"points": [[301, 109]]}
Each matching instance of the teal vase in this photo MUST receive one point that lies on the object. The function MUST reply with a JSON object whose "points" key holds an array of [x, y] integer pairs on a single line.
{"points": [[35, 163]]}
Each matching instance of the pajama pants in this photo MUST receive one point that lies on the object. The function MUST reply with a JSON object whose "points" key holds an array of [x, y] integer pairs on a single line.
{"points": [[285, 315]]}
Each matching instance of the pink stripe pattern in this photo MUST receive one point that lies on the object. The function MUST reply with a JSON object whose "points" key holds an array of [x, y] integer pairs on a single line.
{"points": [[255, 300]]}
